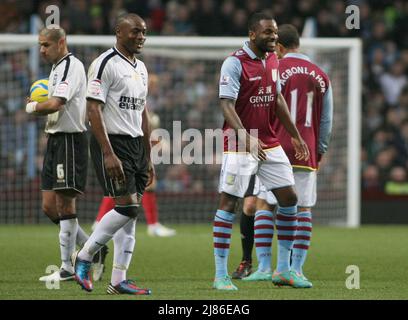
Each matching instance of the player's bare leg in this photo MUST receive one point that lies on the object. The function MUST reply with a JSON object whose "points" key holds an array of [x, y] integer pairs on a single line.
{"points": [[49, 207]]}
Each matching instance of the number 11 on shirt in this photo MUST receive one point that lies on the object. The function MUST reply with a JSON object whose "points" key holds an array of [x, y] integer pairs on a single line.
{"points": [[309, 105]]}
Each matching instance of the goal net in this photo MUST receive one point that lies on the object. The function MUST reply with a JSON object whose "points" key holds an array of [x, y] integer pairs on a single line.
{"points": [[183, 92]]}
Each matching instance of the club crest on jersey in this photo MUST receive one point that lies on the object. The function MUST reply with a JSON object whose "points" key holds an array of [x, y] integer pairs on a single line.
{"points": [[274, 75], [230, 179], [54, 80], [143, 76]]}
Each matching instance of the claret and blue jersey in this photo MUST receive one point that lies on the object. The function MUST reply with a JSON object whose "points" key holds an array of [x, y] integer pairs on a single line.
{"points": [[254, 85], [308, 93]]}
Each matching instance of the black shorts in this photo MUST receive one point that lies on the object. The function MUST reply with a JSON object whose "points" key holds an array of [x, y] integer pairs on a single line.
{"points": [[252, 188], [65, 162], [132, 153]]}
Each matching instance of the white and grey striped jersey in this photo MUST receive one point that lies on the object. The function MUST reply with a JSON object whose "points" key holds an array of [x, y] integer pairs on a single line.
{"points": [[121, 85], [68, 81]]}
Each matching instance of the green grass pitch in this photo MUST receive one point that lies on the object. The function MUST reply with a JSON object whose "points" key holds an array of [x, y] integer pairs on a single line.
{"points": [[182, 267]]}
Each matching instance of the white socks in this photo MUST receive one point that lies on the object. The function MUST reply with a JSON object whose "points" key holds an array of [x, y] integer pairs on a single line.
{"points": [[67, 237], [104, 231], [124, 243], [82, 237]]}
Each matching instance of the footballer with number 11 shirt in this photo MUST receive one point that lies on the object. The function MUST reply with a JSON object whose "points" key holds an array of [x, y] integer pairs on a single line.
{"points": [[308, 92]]}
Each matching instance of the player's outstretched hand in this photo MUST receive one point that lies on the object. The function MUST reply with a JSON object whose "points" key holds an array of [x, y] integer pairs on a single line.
{"points": [[114, 168], [255, 147], [301, 149]]}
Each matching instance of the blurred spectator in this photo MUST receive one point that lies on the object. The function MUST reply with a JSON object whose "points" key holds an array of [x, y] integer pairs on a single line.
{"points": [[15, 17], [207, 19], [79, 16], [400, 25], [182, 23], [325, 24], [157, 15], [380, 140], [372, 117], [371, 179], [377, 37], [397, 185], [227, 12], [252, 6], [177, 179], [239, 23], [377, 67], [98, 15], [403, 100], [365, 20], [393, 82], [384, 161], [178, 19], [394, 118]]}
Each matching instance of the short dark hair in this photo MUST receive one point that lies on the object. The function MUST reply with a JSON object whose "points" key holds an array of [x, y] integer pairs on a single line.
{"points": [[124, 17], [288, 36], [255, 18]]}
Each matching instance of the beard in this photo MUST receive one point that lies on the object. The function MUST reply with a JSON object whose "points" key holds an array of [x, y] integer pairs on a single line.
{"points": [[263, 46]]}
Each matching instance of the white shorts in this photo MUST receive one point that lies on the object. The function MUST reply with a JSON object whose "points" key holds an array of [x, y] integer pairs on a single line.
{"points": [[305, 187], [237, 168]]}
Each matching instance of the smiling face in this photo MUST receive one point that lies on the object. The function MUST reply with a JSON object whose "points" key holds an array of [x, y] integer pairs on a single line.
{"points": [[265, 35], [131, 34]]}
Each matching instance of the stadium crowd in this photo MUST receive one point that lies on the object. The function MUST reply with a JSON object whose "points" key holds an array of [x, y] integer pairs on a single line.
{"points": [[383, 28]]}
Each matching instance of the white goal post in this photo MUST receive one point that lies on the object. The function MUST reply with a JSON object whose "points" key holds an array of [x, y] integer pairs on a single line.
{"points": [[340, 57]]}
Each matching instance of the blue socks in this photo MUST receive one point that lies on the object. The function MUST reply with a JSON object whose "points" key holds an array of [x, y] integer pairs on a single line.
{"points": [[293, 231], [263, 234], [302, 240], [286, 224], [222, 229]]}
